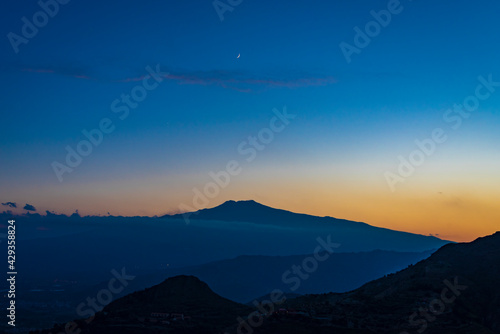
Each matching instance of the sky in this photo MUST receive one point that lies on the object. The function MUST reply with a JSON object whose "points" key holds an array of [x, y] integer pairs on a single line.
{"points": [[384, 112]]}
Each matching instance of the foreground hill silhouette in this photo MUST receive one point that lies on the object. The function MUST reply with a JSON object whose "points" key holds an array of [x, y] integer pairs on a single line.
{"points": [[192, 307], [455, 290]]}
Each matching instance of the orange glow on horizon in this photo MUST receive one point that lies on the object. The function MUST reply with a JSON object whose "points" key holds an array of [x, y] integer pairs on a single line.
{"points": [[453, 212]]}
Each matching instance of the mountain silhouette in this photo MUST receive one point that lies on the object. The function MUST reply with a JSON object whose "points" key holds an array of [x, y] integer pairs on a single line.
{"points": [[455, 290], [351, 235], [181, 304], [181, 294], [253, 212]]}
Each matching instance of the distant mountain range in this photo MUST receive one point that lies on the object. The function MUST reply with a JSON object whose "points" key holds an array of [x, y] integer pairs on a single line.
{"points": [[455, 291], [246, 277], [242, 249], [224, 232]]}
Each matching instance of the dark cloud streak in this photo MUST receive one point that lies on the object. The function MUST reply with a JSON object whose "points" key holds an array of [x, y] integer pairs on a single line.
{"points": [[29, 207], [241, 81]]}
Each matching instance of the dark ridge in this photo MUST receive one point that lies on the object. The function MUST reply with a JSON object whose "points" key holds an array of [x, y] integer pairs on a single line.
{"points": [[385, 305], [196, 307]]}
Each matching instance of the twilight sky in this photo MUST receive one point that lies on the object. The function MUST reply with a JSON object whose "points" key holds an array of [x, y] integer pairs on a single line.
{"points": [[163, 84]]}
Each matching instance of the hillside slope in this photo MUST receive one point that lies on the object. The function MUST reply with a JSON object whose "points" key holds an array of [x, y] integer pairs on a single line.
{"points": [[455, 290]]}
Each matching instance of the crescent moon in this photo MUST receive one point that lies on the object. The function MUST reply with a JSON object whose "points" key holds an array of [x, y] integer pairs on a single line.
{"points": [[238, 55]]}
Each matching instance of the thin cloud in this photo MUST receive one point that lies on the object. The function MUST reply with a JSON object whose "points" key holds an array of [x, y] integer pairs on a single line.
{"points": [[38, 70], [10, 204], [242, 81], [76, 73], [246, 82]]}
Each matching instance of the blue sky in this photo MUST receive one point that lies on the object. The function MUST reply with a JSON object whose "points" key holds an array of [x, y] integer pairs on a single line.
{"points": [[352, 119]]}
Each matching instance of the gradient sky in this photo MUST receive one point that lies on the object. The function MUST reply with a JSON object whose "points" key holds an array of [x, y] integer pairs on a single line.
{"points": [[352, 120]]}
